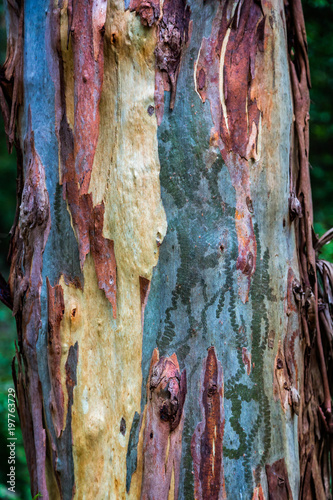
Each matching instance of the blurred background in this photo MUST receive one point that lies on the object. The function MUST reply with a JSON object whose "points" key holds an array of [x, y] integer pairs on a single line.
{"points": [[319, 24]]}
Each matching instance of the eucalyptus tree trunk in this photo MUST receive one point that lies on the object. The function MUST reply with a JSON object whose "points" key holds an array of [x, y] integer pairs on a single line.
{"points": [[161, 248]]}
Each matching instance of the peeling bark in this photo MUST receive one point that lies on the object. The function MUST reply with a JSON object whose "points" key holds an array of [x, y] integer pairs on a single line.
{"points": [[173, 31], [315, 394], [207, 440], [11, 74], [26, 282], [56, 311], [162, 445], [278, 482], [224, 273], [78, 141], [224, 74]]}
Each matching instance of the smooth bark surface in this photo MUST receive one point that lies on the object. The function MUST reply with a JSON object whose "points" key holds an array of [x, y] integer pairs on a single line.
{"points": [[162, 262]]}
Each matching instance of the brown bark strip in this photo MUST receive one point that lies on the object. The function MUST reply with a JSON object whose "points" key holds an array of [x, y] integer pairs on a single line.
{"points": [[78, 146], [24, 411], [11, 97], [281, 384], [144, 292], [56, 309], [225, 71], [5, 295], [172, 36], [316, 390], [207, 440], [71, 381], [11, 73], [25, 282], [246, 358], [278, 481], [162, 444], [173, 25], [102, 251]]}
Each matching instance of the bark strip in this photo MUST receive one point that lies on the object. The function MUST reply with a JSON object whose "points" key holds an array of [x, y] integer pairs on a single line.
{"points": [[207, 440], [162, 444], [56, 309], [173, 32], [316, 406], [224, 74], [11, 73], [26, 282], [78, 141], [278, 481]]}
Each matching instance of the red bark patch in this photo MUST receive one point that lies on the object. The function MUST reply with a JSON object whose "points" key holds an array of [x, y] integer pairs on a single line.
{"points": [[78, 146], [225, 72], [207, 440], [172, 36], [278, 482], [164, 425], [56, 309]]}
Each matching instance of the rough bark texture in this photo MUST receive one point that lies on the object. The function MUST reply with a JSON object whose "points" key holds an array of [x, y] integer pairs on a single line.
{"points": [[163, 270]]}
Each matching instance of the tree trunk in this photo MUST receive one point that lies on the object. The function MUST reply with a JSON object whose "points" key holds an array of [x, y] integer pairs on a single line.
{"points": [[161, 248]]}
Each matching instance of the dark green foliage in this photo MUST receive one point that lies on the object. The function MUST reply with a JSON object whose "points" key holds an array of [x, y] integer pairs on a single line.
{"points": [[319, 20]]}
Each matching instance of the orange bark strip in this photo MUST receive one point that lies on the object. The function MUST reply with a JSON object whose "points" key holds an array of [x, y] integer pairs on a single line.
{"points": [[207, 440], [162, 444], [102, 250], [225, 72], [246, 358], [56, 309], [11, 73]]}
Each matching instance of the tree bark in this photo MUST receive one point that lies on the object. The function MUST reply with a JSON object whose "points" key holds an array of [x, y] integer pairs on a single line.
{"points": [[163, 271]]}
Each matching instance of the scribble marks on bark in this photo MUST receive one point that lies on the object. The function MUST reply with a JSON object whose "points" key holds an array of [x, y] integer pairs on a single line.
{"points": [[163, 431], [225, 71], [207, 440]]}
